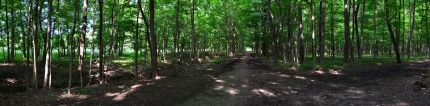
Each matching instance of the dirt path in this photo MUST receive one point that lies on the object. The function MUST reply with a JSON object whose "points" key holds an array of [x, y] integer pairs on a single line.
{"points": [[253, 83], [247, 81]]}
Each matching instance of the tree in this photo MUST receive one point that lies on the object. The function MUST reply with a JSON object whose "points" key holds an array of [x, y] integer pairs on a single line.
{"points": [[193, 32], [375, 34], [322, 31], [136, 41], [333, 47], [101, 45], [154, 64], [346, 32], [48, 47], [411, 29], [360, 36], [176, 35], [82, 40], [394, 38], [35, 34], [301, 38]]}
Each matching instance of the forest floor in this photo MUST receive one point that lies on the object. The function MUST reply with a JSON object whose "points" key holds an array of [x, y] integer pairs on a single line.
{"points": [[250, 80]]}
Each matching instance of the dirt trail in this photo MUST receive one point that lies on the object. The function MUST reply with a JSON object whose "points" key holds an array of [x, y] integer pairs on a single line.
{"points": [[253, 83], [247, 81]]}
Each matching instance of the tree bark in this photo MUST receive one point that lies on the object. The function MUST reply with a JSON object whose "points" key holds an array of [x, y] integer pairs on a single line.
{"points": [[322, 33], [35, 48], [154, 63], [113, 33], [82, 39], [7, 34], [48, 47], [136, 44], [346, 32], [175, 36], [193, 33], [314, 50], [272, 31], [12, 46], [101, 45], [333, 47], [301, 38], [411, 29], [393, 37], [375, 34], [360, 36]]}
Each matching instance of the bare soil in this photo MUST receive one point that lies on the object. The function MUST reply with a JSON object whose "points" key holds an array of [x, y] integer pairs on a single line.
{"points": [[248, 80]]}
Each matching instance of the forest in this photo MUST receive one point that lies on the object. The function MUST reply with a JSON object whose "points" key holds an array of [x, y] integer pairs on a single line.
{"points": [[214, 52]]}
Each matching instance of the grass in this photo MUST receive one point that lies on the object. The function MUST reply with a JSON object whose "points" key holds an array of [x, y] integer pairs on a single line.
{"points": [[337, 63]]}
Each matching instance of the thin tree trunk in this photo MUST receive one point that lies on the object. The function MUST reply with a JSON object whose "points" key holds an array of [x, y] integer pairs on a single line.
{"points": [[101, 45], [393, 37], [360, 36], [82, 40], [12, 46], [193, 33], [7, 34], [113, 33], [411, 29], [301, 37], [314, 50], [91, 61], [48, 47], [346, 33], [72, 38], [154, 63], [136, 44], [375, 23], [35, 48], [333, 48], [322, 33], [27, 62], [272, 31], [175, 36]]}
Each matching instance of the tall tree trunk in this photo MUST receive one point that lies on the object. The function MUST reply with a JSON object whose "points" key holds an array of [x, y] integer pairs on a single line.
{"points": [[91, 62], [394, 38], [72, 38], [113, 33], [175, 36], [314, 50], [301, 38], [12, 46], [333, 47], [193, 33], [82, 40], [35, 48], [145, 20], [346, 32], [27, 62], [154, 63], [411, 29], [101, 45], [48, 47], [351, 44], [375, 33], [360, 36], [136, 44], [322, 33], [272, 31], [7, 34]]}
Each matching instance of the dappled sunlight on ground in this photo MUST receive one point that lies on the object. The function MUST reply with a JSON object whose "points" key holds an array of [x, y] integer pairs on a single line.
{"points": [[73, 96], [263, 92], [117, 96], [7, 64]]}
